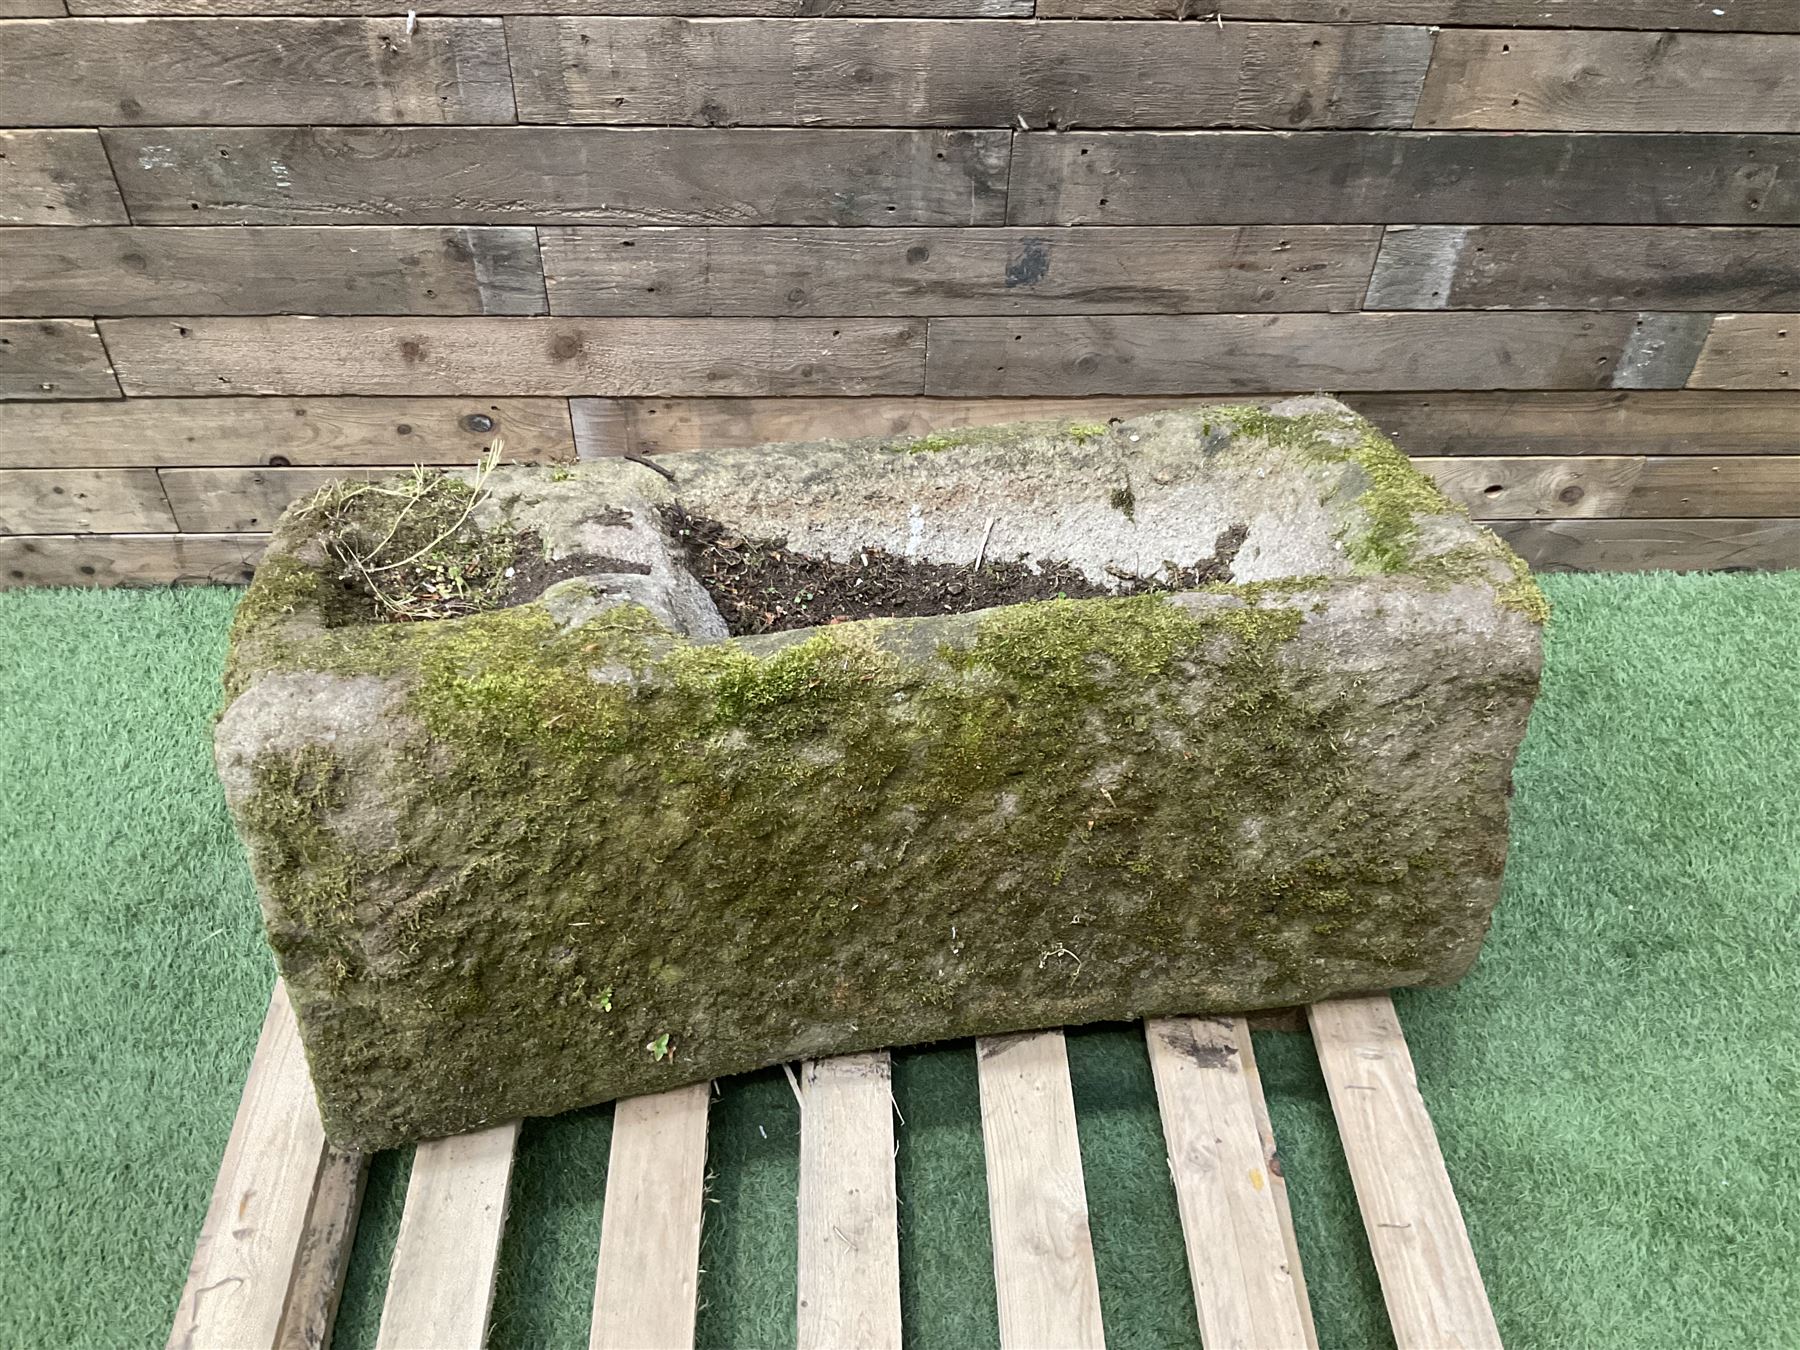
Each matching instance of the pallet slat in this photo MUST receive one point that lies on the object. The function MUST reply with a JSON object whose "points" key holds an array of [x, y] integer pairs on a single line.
{"points": [[1239, 1239], [255, 70], [57, 178], [441, 1280], [559, 175], [1401, 177], [971, 271], [1750, 351], [1654, 545], [1044, 1275], [1257, 353], [644, 1294], [1550, 80], [1433, 1288], [416, 356], [1279, 1019], [990, 9], [325, 1249], [243, 1264], [849, 1262], [1767, 16], [128, 559], [1589, 486], [52, 359], [56, 501], [969, 73], [355, 269], [282, 432]]}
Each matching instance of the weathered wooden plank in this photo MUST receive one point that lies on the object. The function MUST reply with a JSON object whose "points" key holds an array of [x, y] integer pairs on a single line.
{"points": [[981, 271], [1244, 1287], [644, 1294], [245, 501], [1768, 16], [849, 1262], [1586, 267], [550, 175], [441, 1280], [52, 501], [128, 559], [889, 9], [1401, 177], [263, 270], [282, 71], [1435, 1297], [517, 356], [1184, 354], [282, 431], [57, 178], [1048, 1292], [1654, 545], [1750, 351], [325, 1248], [1640, 422], [31, 9], [1589, 486], [779, 72], [607, 426], [53, 358], [243, 1263], [1548, 80]]}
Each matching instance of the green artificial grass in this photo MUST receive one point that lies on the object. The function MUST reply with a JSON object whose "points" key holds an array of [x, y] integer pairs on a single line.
{"points": [[1615, 1087]]}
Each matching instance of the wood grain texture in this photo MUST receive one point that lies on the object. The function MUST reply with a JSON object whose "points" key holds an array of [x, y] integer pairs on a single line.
{"points": [[238, 1282], [325, 1249], [266, 270], [31, 9], [551, 175], [1640, 422], [54, 501], [517, 356], [849, 1260], [283, 71], [282, 431], [1401, 177], [53, 358], [1549, 80], [128, 559], [1169, 354], [838, 9], [1589, 486], [780, 72], [648, 1278], [57, 178], [245, 501], [1586, 267], [1769, 16], [1244, 1288], [441, 1281], [1044, 1277], [1433, 1288], [605, 426], [1654, 545], [1750, 351], [973, 271]]}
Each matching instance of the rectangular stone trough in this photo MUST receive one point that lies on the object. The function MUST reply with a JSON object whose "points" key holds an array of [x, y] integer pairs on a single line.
{"points": [[533, 830]]}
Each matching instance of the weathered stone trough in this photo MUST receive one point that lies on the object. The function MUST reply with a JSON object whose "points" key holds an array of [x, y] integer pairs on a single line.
{"points": [[563, 847]]}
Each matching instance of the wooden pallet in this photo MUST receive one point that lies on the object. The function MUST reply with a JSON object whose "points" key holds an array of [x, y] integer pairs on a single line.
{"points": [[271, 1257]]}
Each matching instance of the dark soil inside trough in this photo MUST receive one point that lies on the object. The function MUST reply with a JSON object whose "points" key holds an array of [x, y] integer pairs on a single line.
{"points": [[763, 586]]}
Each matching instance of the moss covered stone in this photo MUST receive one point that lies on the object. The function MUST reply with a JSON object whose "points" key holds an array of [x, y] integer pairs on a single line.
{"points": [[586, 846]]}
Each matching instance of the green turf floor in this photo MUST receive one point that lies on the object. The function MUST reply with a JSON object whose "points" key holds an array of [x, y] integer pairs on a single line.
{"points": [[1617, 1087]]}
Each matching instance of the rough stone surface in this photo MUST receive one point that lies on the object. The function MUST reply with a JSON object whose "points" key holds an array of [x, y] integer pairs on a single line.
{"points": [[586, 846]]}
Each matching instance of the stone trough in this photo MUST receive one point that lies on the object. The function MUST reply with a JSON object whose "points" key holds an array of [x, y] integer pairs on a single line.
{"points": [[562, 838]]}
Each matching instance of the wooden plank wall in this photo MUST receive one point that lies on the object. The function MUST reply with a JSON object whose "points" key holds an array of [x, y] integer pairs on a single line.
{"points": [[1552, 246]]}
